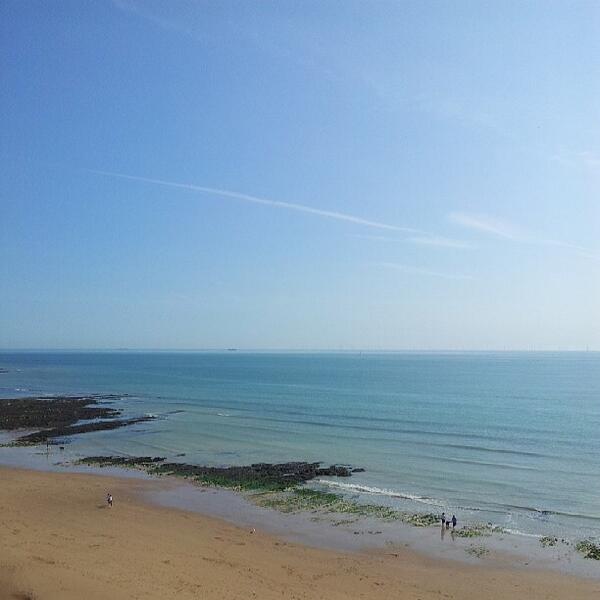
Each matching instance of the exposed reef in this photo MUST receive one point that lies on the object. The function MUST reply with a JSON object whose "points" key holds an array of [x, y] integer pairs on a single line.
{"points": [[478, 530], [588, 549], [309, 500], [548, 541], [259, 476], [57, 416], [277, 486]]}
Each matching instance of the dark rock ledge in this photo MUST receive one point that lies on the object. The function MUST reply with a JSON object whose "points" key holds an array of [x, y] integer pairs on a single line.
{"points": [[61, 416], [259, 476], [57, 416]]}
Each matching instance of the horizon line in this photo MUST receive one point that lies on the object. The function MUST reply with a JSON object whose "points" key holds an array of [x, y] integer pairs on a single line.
{"points": [[298, 350]]}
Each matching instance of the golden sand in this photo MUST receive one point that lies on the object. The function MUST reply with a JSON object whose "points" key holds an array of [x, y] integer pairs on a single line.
{"points": [[59, 541]]}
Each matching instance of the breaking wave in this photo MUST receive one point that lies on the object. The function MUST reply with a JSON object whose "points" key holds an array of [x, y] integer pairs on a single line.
{"points": [[375, 491]]}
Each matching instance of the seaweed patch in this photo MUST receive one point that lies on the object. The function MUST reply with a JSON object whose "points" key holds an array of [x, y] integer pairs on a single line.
{"points": [[309, 500], [588, 549]]}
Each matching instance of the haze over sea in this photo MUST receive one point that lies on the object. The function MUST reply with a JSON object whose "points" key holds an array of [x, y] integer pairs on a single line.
{"points": [[508, 438]]}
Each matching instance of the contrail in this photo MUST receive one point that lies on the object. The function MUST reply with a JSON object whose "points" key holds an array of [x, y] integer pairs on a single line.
{"points": [[265, 201]]}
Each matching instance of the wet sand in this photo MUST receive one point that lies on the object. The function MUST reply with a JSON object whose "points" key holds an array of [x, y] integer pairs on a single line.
{"points": [[58, 540]]}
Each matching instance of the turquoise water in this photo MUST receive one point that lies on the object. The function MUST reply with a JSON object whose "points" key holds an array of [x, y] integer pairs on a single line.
{"points": [[510, 438]]}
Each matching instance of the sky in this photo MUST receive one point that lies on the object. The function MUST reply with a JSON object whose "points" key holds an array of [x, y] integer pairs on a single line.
{"points": [[300, 175]]}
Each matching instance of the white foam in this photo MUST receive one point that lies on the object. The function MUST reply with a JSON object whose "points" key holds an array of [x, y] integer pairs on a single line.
{"points": [[375, 491], [521, 533]]}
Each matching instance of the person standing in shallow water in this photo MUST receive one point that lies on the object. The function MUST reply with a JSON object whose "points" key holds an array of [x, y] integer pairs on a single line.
{"points": [[454, 521], [443, 519]]}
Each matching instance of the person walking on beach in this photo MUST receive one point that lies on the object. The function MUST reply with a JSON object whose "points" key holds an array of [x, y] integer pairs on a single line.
{"points": [[109, 499], [443, 519], [454, 521]]}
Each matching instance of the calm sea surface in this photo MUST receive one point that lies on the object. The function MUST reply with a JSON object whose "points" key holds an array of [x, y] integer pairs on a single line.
{"points": [[511, 438]]}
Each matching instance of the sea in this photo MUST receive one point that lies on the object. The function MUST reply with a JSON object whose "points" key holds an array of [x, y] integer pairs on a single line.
{"points": [[508, 438]]}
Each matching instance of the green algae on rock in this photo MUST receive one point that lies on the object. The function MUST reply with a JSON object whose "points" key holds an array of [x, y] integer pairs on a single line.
{"points": [[477, 551], [255, 477], [478, 530], [548, 541], [309, 500], [589, 549]]}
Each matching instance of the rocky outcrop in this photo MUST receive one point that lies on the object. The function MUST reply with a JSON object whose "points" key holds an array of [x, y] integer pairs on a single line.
{"points": [[272, 476], [52, 411], [56, 417]]}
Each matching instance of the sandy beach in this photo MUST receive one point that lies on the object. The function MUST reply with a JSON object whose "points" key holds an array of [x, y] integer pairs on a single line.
{"points": [[60, 541], [299, 300]]}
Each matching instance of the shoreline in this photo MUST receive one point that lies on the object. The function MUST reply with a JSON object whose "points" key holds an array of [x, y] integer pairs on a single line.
{"points": [[415, 463], [332, 531], [66, 407], [303, 515], [60, 541]]}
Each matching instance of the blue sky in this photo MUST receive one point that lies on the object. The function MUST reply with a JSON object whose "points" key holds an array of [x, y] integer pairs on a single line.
{"points": [[300, 175]]}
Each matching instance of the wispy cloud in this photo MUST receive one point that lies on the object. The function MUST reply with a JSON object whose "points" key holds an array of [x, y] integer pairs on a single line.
{"points": [[425, 239], [377, 238], [509, 231], [487, 224], [442, 242], [418, 271], [585, 252], [586, 159], [329, 214]]}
